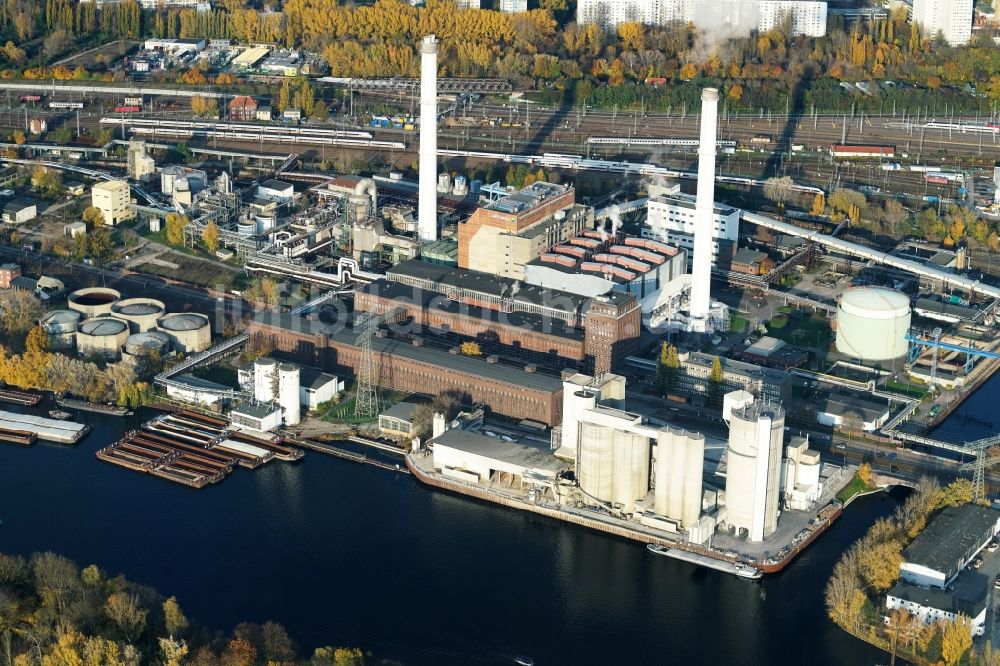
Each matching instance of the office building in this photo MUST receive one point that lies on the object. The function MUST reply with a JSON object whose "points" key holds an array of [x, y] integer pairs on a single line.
{"points": [[806, 17]]}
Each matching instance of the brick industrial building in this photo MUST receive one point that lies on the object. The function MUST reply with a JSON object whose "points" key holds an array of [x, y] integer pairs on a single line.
{"points": [[514, 391], [509, 317]]}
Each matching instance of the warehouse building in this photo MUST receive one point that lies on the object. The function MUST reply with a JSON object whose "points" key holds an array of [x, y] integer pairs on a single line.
{"points": [[838, 411], [949, 542], [472, 457]]}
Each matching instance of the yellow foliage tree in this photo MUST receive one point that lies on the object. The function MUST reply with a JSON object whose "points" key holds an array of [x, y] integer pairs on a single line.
{"points": [[210, 237], [470, 349], [176, 224]]}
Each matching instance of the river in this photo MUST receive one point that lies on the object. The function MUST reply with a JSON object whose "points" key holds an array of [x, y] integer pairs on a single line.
{"points": [[346, 554]]}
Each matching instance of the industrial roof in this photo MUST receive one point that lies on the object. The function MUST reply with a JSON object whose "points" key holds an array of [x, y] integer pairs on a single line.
{"points": [[688, 201], [748, 256], [256, 410], [194, 382], [251, 56], [495, 448], [842, 405], [401, 410], [515, 376], [941, 307], [273, 184], [968, 600], [527, 198], [765, 346], [951, 535], [437, 302], [460, 278]]}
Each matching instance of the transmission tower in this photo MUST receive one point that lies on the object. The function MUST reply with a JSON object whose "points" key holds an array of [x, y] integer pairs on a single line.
{"points": [[982, 449], [366, 404]]}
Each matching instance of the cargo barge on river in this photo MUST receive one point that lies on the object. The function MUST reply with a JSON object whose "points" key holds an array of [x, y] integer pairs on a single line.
{"points": [[49, 430], [192, 449], [19, 397]]}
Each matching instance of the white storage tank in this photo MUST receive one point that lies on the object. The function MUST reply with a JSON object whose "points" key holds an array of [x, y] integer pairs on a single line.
{"points": [[246, 227], [595, 461], [444, 183], [61, 326], [140, 313], [148, 343], [288, 392], [189, 331], [872, 323], [265, 223], [461, 187], [265, 379], [101, 336], [93, 301]]}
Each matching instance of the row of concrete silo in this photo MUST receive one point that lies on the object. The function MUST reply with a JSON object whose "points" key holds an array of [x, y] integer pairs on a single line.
{"points": [[278, 382], [100, 323]]}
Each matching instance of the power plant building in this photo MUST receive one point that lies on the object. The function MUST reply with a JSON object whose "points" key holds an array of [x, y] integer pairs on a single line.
{"points": [[671, 218], [505, 235], [753, 469], [504, 315]]}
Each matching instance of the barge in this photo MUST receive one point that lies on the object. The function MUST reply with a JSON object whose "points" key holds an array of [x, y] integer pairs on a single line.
{"points": [[19, 437], [49, 430], [15, 397], [84, 406]]}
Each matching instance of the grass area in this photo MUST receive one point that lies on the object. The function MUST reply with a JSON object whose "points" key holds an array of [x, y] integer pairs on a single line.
{"points": [[853, 488], [344, 411], [738, 323], [912, 390], [808, 331], [196, 271]]}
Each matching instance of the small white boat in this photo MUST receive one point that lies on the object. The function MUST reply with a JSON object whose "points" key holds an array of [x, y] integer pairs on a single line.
{"points": [[59, 414], [522, 660]]}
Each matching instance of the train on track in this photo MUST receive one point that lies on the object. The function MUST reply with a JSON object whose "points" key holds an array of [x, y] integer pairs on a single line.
{"points": [[185, 134], [576, 162], [991, 127], [727, 146], [237, 127], [65, 105]]}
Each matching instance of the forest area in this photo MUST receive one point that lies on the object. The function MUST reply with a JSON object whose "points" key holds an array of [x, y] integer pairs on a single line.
{"points": [[543, 49], [53, 613]]}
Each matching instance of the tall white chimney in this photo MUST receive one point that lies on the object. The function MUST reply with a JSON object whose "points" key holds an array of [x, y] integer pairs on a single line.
{"points": [[427, 206], [701, 268]]}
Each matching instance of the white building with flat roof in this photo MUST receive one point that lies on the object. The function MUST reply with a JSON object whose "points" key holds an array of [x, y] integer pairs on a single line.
{"points": [[671, 218], [806, 16], [951, 18]]}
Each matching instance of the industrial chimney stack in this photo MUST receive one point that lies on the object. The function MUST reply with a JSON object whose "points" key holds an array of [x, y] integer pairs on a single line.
{"points": [[701, 268], [427, 227]]}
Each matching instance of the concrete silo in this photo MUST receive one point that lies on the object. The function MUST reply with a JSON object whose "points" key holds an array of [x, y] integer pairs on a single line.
{"points": [[60, 326], [190, 331], [595, 461], [575, 403], [101, 336], [288, 392], [630, 478], [265, 379], [147, 343], [753, 469], [680, 461], [140, 313], [872, 323]]}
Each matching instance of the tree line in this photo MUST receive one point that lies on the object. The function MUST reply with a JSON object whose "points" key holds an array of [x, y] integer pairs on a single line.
{"points": [[52, 613]]}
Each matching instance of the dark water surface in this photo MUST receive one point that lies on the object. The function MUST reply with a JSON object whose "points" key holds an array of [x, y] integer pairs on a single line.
{"points": [[346, 554]]}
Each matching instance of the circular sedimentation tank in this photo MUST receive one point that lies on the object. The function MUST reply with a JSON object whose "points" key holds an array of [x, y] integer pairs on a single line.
{"points": [[189, 331], [58, 322], [101, 336], [872, 323], [60, 326], [140, 313], [93, 301], [149, 342]]}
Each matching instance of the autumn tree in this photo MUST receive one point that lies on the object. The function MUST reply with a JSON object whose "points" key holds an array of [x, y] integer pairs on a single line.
{"points": [[176, 223], [470, 349], [956, 640], [210, 236], [666, 368], [264, 290], [127, 613], [818, 205], [894, 215], [204, 107], [864, 473], [92, 216]]}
